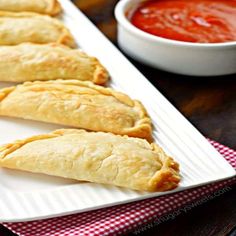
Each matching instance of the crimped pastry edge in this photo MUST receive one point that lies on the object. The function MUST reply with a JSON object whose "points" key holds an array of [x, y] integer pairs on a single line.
{"points": [[142, 127], [65, 38], [54, 8], [100, 75], [165, 179], [168, 177]]}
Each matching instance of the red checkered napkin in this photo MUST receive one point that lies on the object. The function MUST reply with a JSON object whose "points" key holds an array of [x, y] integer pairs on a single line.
{"points": [[120, 219]]}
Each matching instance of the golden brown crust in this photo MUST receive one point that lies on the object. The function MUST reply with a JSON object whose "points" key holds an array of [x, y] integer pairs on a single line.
{"points": [[168, 177], [30, 62], [100, 75], [5, 91], [78, 104], [16, 28], [96, 157], [11, 147], [50, 7], [54, 8]]}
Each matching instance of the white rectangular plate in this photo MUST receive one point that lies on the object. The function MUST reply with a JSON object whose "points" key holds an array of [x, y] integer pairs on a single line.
{"points": [[26, 196]]}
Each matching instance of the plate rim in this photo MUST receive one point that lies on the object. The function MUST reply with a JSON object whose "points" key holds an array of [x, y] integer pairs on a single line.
{"points": [[231, 171]]}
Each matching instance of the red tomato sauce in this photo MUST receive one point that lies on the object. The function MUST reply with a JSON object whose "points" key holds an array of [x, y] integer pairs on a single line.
{"points": [[198, 21]]}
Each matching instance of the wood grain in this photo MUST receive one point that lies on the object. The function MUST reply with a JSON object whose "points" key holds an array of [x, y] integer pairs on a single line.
{"points": [[213, 218], [5, 232], [210, 104]]}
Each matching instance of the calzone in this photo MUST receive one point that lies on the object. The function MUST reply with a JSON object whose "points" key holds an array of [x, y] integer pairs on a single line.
{"points": [[28, 62], [50, 7], [95, 157], [16, 28], [76, 103]]}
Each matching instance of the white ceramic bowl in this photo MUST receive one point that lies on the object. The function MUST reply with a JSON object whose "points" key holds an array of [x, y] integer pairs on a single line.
{"points": [[196, 59]]}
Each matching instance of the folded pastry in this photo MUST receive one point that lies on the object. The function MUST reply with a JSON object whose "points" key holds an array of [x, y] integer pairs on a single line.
{"points": [[28, 62], [50, 7], [76, 103], [96, 157], [16, 28]]}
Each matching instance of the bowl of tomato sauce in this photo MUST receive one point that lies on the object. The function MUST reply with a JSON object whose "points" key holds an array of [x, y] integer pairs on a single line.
{"points": [[190, 37]]}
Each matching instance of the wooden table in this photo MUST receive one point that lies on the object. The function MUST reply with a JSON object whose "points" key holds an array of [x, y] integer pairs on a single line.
{"points": [[210, 104]]}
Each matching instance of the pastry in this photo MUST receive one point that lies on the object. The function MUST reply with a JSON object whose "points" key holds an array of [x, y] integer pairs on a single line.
{"points": [[16, 28], [95, 157], [28, 62], [50, 7], [78, 104]]}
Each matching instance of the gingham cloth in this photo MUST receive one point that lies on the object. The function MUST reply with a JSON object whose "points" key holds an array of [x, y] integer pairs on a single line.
{"points": [[121, 219]]}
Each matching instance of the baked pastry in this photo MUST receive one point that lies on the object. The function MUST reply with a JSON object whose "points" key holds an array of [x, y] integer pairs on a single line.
{"points": [[50, 7], [76, 103], [96, 157], [28, 62], [16, 28]]}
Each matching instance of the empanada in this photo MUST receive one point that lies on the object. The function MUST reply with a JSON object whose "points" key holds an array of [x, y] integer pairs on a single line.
{"points": [[76, 103], [96, 157], [28, 62], [16, 28], [50, 7]]}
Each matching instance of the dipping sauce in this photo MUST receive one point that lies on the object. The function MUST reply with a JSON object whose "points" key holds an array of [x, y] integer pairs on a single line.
{"points": [[198, 21]]}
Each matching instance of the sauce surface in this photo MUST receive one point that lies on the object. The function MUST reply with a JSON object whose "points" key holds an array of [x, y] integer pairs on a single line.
{"points": [[198, 21]]}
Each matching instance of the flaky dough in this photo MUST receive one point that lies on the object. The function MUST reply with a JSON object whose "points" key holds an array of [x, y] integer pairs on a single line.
{"points": [[78, 104], [16, 28], [50, 7], [96, 157], [30, 62]]}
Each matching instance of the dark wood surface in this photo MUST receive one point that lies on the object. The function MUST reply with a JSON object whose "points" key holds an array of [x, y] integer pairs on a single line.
{"points": [[210, 104], [214, 218]]}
